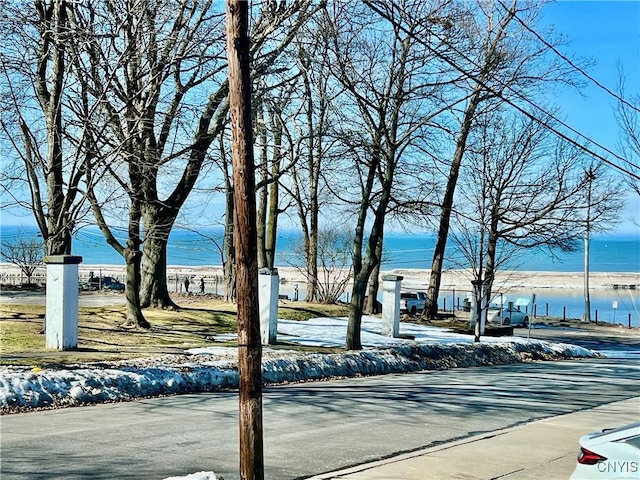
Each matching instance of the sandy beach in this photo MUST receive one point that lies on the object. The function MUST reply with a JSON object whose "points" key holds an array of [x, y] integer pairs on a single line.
{"points": [[412, 278]]}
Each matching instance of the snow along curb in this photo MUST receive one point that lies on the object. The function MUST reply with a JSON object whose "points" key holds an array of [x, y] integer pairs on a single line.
{"points": [[23, 389]]}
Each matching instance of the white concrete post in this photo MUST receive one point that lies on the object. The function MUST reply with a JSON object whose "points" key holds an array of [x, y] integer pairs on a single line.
{"points": [[61, 316], [391, 305], [268, 295]]}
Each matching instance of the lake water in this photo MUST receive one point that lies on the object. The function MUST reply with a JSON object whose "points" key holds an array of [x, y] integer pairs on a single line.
{"points": [[190, 248], [607, 254]]}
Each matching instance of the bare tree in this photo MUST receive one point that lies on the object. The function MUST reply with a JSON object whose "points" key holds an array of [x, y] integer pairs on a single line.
{"points": [[388, 78], [158, 57], [166, 54], [229, 255], [37, 118], [312, 123], [274, 27], [333, 263], [24, 252], [273, 154], [521, 193], [499, 60], [157, 130]]}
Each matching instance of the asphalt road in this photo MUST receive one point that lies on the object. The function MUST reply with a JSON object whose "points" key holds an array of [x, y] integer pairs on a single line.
{"points": [[309, 428]]}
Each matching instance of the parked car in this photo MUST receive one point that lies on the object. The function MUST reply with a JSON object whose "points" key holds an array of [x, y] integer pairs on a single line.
{"points": [[106, 283], [412, 302], [514, 313], [506, 316], [612, 454]]}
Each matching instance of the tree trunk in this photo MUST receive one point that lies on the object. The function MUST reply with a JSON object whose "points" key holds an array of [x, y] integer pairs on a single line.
{"points": [[312, 268], [249, 341], [310, 240], [272, 226], [431, 304], [371, 300], [229, 261], [158, 223], [488, 70], [354, 337], [492, 248], [360, 282], [371, 304], [58, 239], [134, 318], [131, 254], [50, 89], [154, 280], [229, 267], [263, 195], [362, 268], [274, 192], [132, 257]]}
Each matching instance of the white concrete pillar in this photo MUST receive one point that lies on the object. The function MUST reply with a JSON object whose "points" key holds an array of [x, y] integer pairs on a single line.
{"points": [[61, 317], [391, 305], [268, 295]]}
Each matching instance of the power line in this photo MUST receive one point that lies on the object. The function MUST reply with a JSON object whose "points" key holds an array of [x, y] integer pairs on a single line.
{"points": [[498, 94], [569, 61]]}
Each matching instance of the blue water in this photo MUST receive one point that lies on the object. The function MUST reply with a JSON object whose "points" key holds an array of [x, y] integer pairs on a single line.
{"points": [[189, 248], [607, 254]]}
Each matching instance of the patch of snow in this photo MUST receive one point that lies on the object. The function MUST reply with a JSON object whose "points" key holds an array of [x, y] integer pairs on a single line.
{"points": [[197, 476], [213, 368]]}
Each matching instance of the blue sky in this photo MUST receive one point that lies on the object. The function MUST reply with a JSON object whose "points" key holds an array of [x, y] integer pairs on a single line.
{"points": [[609, 33]]}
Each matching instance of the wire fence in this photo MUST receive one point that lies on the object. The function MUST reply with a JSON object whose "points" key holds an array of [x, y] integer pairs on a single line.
{"points": [[608, 305]]}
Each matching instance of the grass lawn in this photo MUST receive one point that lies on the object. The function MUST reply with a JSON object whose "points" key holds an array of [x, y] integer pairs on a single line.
{"points": [[101, 338]]}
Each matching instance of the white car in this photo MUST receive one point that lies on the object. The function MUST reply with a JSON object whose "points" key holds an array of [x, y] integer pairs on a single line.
{"points": [[514, 313], [513, 317], [412, 302], [612, 454]]}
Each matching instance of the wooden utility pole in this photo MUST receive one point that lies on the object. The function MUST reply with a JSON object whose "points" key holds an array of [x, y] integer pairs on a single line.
{"points": [[249, 342]]}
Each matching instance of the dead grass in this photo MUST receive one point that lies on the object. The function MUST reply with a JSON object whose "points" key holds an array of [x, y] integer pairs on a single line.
{"points": [[100, 336]]}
